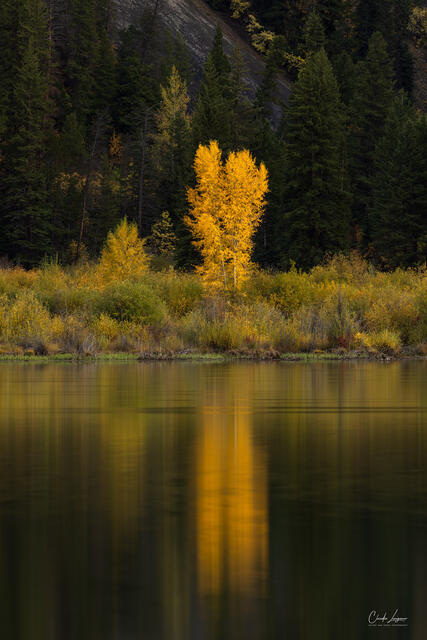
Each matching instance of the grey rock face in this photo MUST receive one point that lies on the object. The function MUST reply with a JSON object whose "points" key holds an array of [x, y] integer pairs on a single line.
{"points": [[197, 22]]}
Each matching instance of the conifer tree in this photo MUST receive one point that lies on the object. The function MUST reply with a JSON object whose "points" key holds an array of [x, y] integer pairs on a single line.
{"points": [[211, 118], [26, 203], [331, 13], [314, 33], [163, 238], [399, 199], [172, 155], [137, 90], [9, 59], [315, 198], [219, 59], [104, 74], [81, 57], [70, 158], [371, 102], [345, 73], [370, 17], [241, 107]]}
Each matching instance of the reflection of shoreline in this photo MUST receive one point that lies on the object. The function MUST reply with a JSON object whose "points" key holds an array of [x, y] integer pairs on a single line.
{"points": [[231, 506]]}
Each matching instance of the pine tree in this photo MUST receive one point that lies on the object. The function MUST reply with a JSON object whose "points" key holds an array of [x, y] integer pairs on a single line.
{"points": [[314, 33], [137, 90], [105, 75], [219, 59], [399, 199], [371, 16], [9, 24], [26, 202], [371, 102], [345, 73], [211, 119], [315, 199], [241, 107], [163, 238], [70, 159], [331, 13], [338, 18], [397, 39], [81, 53], [172, 155], [265, 97]]}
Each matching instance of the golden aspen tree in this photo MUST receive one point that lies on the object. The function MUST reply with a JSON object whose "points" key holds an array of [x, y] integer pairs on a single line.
{"points": [[123, 255], [226, 208]]}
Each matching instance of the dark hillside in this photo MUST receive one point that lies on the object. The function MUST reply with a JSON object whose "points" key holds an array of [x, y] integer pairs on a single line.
{"points": [[196, 22]]}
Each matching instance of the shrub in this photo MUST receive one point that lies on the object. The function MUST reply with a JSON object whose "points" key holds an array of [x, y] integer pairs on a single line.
{"points": [[75, 337], [26, 319], [72, 300], [106, 330], [50, 277], [352, 269], [297, 336], [292, 290], [181, 292], [386, 341], [123, 255], [240, 327], [118, 336], [14, 280], [134, 302]]}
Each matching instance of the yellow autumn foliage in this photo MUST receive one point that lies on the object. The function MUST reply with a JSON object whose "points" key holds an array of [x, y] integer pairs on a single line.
{"points": [[123, 255], [226, 208]]}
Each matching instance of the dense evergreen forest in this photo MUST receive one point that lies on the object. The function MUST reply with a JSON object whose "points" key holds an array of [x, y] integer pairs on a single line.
{"points": [[96, 124]]}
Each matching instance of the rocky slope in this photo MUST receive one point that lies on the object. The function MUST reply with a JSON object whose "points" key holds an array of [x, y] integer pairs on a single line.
{"points": [[197, 22]]}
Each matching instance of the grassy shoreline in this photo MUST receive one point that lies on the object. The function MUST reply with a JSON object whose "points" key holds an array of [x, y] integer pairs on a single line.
{"points": [[344, 309], [211, 357]]}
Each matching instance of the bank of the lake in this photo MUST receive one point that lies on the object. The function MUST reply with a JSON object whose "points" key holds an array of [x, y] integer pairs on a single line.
{"points": [[343, 309], [198, 357]]}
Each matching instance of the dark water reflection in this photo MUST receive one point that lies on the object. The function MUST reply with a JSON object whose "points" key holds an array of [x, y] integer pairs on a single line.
{"points": [[186, 501]]}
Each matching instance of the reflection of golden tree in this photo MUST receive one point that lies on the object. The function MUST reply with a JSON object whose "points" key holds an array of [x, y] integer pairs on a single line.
{"points": [[231, 504]]}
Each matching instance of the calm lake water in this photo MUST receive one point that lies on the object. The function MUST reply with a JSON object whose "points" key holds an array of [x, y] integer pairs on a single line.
{"points": [[181, 501]]}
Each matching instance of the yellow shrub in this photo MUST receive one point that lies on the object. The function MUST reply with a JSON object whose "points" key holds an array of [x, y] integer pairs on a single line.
{"points": [[123, 255], [385, 341], [27, 319], [106, 329], [13, 280], [49, 278]]}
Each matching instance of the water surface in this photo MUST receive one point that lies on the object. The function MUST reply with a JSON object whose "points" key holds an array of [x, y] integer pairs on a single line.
{"points": [[180, 501]]}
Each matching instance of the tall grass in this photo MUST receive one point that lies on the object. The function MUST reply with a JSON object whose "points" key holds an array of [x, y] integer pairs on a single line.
{"points": [[344, 304]]}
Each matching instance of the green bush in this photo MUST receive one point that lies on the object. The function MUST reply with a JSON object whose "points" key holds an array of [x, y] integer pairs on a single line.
{"points": [[133, 302], [69, 300], [182, 293], [292, 290]]}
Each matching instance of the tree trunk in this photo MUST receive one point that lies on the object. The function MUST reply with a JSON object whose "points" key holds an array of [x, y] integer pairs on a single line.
{"points": [[87, 183]]}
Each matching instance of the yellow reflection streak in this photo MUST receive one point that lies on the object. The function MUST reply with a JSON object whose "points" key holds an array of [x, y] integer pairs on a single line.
{"points": [[231, 504]]}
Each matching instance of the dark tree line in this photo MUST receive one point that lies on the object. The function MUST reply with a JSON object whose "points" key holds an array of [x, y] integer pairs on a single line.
{"points": [[96, 125]]}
